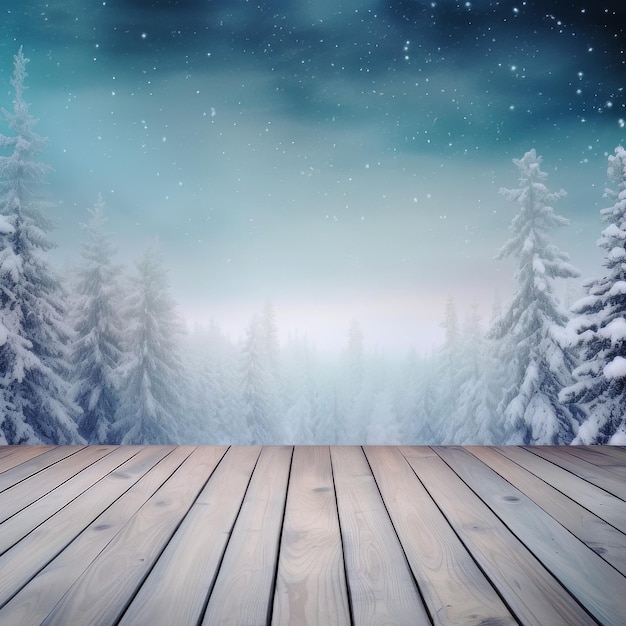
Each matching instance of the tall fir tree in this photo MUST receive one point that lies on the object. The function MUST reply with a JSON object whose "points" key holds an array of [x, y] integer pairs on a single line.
{"points": [[600, 327], [269, 333], [35, 398], [150, 404], [407, 396], [256, 387], [301, 422], [447, 378], [200, 425], [474, 416], [226, 359], [530, 331], [97, 346]]}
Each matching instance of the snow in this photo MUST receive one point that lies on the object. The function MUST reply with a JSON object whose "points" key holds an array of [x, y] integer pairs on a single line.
{"points": [[614, 231], [616, 253], [619, 438], [538, 266], [12, 265], [616, 368], [5, 226], [615, 330], [618, 288]]}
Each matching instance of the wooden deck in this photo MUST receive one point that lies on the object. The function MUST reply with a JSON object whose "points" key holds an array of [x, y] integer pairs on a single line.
{"points": [[312, 535]]}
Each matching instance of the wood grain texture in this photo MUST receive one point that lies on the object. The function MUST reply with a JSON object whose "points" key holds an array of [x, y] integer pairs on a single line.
{"points": [[532, 593], [176, 590], [15, 475], [29, 490], [454, 588], [600, 456], [597, 585], [242, 594], [6, 450], [152, 534], [14, 455], [616, 452], [22, 523], [599, 476], [605, 505], [137, 481], [310, 584], [594, 532], [380, 582], [19, 564], [104, 590]]}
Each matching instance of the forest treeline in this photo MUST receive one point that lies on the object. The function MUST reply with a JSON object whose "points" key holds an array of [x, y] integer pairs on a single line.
{"points": [[102, 356]]}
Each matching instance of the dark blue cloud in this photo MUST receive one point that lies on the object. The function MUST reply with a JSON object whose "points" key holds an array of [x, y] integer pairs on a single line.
{"points": [[549, 62]]}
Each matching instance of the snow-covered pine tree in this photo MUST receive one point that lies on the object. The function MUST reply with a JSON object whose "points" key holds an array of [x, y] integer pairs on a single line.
{"points": [[600, 327], [384, 427], [271, 350], [201, 422], [211, 366], [425, 430], [269, 332], [301, 397], [407, 397], [97, 346], [477, 396], [446, 380], [256, 391], [226, 362], [151, 394], [354, 397], [36, 404], [530, 329]]}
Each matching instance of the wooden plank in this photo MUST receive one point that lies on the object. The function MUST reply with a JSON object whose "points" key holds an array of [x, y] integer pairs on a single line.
{"points": [[380, 582], [242, 594], [12, 477], [14, 455], [605, 505], [30, 555], [596, 585], [27, 491], [599, 455], [417, 452], [104, 590], [310, 583], [601, 537], [454, 588], [18, 526], [530, 591], [145, 473], [5, 450], [177, 588], [80, 538], [616, 452], [594, 474]]}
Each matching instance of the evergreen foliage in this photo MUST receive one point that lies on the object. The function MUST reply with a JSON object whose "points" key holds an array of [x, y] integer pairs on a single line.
{"points": [[599, 328], [151, 398], [97, 346], [35, 398], [256, 390], [530, 330]]}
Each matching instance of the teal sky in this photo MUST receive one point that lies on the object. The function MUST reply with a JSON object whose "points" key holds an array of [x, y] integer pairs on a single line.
{"points": [[340, 159]]}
